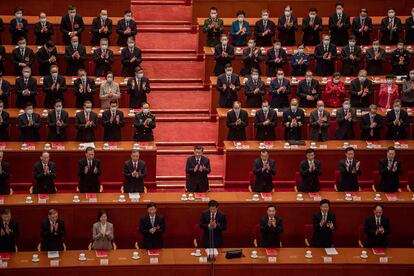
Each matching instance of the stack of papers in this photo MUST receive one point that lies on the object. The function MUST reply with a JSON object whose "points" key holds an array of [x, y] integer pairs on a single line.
{"points": [[331, 251], [53, 254]]}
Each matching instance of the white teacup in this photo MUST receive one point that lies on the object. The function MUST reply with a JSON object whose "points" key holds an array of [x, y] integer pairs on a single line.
{"points": [[75, 198], [198, 252], [255, 197], [135, 255], [287, 145], [29, 199], [313, 144], [346, 144], [35, 257], [364, 254], [47, 146], [262, 145], [82, 256], [106, 146], [122, 198], [308, 254], [136, 146], [190, 197], [377, 197], [254, 254], [253, 112], [183, 197]]}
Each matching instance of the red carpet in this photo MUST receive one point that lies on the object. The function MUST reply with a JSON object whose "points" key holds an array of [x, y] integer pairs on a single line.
{"points": [[162, 13], [163, 40], [174, 69], [185, 132], [174, 165], [179, 100]]}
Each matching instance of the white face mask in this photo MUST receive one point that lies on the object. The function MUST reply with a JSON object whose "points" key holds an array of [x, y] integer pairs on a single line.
{"points": [[375, 47], [280, 77], [83, 78], [362, 79], [26, 74], [346, 106], [335, 81], [224, 41], [43, 20], [19, 15], [293, 107], [140, 75], [145, 110], [127, 18], [54, 75], [104, 47], [229, 72], [339, 11], [58, 108], [397, 108], [104, 17], [213, 15], [255, 77], [321, 108], [131, 45], [277, 47], [391, 14], [326, 42], [72, 14], [22, 46], [412, 76], [113, 109], [29, 111], [251, 45], [301, 50], [308, 78], [240, 19], [265, 17], [287, 13], [109, 79], [88, 110], [389, 82], [352, 43], [312, 16]]}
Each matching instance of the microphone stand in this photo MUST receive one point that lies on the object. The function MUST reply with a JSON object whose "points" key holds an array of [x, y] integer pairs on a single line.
{"points": [[211, 258]]}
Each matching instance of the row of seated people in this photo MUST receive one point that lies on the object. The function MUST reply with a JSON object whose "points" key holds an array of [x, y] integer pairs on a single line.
{"points": [[325, 55], [152, 227], [339, 26]]}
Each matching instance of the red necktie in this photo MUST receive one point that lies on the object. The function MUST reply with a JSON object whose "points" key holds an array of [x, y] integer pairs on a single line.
{"points": [[135, 166], [72, 23]]}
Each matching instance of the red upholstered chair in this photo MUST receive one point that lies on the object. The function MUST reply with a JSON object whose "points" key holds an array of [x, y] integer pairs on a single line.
{"points": [[297, 181], [198, 235], [137, 238], [308, 234], [252, 178], [376, 180], [410, 178], [256, 235], [91, 68], [338, 177], [361, 236]]}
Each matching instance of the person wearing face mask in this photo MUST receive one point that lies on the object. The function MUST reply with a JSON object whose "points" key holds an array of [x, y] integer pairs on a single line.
{"points": [[84, 88], [108, 91], [407, 95], [310, 169], [287, 26], [18, 26], [334, 91], [265, 122], [390, 170], [350, 169], [26, 89], [113, 122], [264, 169], [9, 231], [279, 90], [144, 124], [86, 122], [29, 124], [388, 92], [400, 60], [228, 85], [375, 59], [4, 91], [43, 30], [44, 172], [324, 223], [311, 27], [223, 54], [1, 30], [308, 90], [254, 89], [409, 29], [361, 90], [46, 57], [325, 55], [125, 28], [339, 24], [252, 57], [101, 27], [213, 27], [264, 30], [71, 25], [57, 122], [240, 30], [319, 122], [390, 28], [397, 122], [362, 28], [351, 57], [345, 119], [2, 58], [138, 87], [131, 58], [237, 121], [293, 119], [276, 58], [371, 124], [22, 56], [54, 86], [75, 57], [300, 61], [103, 57], [4, 125]]}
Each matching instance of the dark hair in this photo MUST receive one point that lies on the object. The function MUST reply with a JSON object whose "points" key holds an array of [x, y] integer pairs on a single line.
{"points": [[254, 70], [390, 8], [288, 6], [389, 76], [346, 100], [151, 204], [50, 44], [21, 38], [363, 10], [71, 8], [109, 73], [5, 211], [276, 40], [87, 102], [390, 148], [127, 11], [263, 151], [228, 65], [310, 151], [28, 104], [213, 203], [89, 149], [349, 149], [115, 101], [397, 101], [339, 4], [352, 37], [313, 10], [213, 9], [18, 9], [336, 74], [270, 206], [198, 147], [138, 68], [101, 213], [325, 201], [239, 12], [378, 205], [58, 101], [265, 101]]}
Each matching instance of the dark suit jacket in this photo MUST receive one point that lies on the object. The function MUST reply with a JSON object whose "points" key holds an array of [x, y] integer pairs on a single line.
{"points": [[397, 68], [89, 182], [5, 87], [390, 180], [293, 133], [29, 133], [82, 93], [121, 27], [4, 178], [8, 241], [221, 222], [375, 66], [96, 26], [265, 132], [279, 100], [310, 180], [250, 62], [20, 87], [345, 129], [3, 58], [27, 58], [270, 235], [263, 179], [86, 134], [350, 67], [304, 90], [259, 29], [370, 227], [227, 95], [220, 60], [339, 35], [73, 65], [52, 95], [323, 235], [271, 63], [56, 133], [349, 179], [137, 93], [311, 37], [103, 64], [237, 132], [390, 37], [287, 34], [254, 100], [356, 87], [319, 132], [52, 241], [152, 241], [366, 127], [66, 27], [364, 37], [197, 181], [4, 126], [397, 132], [43, 37], [44, 183], [128, 67], [43, 56], [1, 30], [409, 31], [325, 67], [143, 133], [15, 33], [134, 184], [112, 131]]}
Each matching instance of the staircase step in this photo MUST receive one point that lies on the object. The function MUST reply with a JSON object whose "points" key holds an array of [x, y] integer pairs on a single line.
{"points": [[162, 22], [165, 28], [177, 186], [159, 2], [193, 132], [186, 150], [162, 12], [162, 40], [178, 69]]}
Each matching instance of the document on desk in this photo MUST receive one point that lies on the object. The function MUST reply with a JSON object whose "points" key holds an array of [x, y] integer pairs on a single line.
{"points": [[331, 251]]}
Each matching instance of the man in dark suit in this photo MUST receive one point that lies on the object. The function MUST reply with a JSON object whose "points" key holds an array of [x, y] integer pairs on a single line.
{"points": [[345, 119], [223, 55], [276, 58], [9, 232], [319, 122], [135, 171], [361, 90], [113, 122], [18, 26], [52, 231], [397, 122], [75, 56], [362, 28], [390, 170], [300, 61], [86, 122], [43, 30], [350, 170], [197, 169], [46, 57], [293, 119], [29, 124], [213, 220], [131, 58], [400, 60], [103, 57], [4, 176], [264, 30], [409, 29], [390, 28], [252, 57], [310, 170], [254, 89], [26, 89], [57, 122], [144, 124], [311, 27], [308, 90], [4, 123], [44, 172], [371, 124], [265, 122], [89, 170], [1, 29], [324, 223], [375, 59], [84, 88], [4, 91], [237, 121], [71, 25], [138, 88], [325, 55], [22, 57], [152, 227], [264, 169], [377, 228], [270, 228], [228, 85], [125, 28], [339, 24], [101, 27], [280, 90], [54, 86], [350, 56], [287, 26]]}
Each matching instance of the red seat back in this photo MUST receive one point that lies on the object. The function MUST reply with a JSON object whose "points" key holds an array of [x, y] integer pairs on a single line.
{"points": [[198, 234]]}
